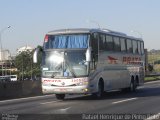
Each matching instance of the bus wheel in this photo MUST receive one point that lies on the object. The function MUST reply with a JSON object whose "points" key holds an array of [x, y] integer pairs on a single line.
{"points": [[100, 92], [60, 96], [133, 86]]}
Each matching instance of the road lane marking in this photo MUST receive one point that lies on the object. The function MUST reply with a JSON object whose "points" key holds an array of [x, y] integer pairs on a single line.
{"points": [[154, 117], [51, 102], [65, 109], [25, 98], [124, 100]]}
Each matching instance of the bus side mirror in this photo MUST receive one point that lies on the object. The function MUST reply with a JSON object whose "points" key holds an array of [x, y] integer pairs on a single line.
{"points": [[88, 55], [35, 55]]}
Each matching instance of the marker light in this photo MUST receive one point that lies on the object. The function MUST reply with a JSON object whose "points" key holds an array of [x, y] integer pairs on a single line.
{"points": [[46, 38]]}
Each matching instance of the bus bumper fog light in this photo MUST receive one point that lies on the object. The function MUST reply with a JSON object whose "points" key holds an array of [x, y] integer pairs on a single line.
{"points": [[85, 90], [44, 90]]}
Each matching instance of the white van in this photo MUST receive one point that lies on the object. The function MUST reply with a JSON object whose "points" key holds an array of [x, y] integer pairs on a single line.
{"points": [[13, 77]]}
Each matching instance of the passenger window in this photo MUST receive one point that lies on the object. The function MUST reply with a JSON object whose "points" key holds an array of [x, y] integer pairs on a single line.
{"points": [[116, 44], [142, 47], [123, 44], [129, 46], [135, 46], [109, 44], [139, 47], [102, 42]]}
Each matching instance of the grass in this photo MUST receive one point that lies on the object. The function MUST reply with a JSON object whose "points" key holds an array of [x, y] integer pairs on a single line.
{"points": [[152, 78], [152, 58]]}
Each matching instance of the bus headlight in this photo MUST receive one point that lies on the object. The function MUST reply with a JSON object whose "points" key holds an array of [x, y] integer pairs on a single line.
{"points": [[82, 83]]}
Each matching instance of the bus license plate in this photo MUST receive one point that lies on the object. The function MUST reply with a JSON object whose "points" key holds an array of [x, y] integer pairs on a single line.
{"points": [[63, 90]]}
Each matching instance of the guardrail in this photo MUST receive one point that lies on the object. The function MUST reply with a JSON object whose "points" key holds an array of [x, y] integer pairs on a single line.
{"points": [[20, 89]]}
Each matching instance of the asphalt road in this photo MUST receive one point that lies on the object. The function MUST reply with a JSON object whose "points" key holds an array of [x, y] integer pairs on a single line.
{"points": [[142, 104]]}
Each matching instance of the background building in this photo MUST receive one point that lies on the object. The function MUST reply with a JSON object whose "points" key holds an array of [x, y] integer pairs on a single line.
{"points": [[5, 62], [5, 55]]}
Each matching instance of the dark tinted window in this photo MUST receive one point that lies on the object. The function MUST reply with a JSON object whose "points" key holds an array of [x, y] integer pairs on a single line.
{"points": [[123, 44], [142, 47], [135, 46], [116, 44], [129, 46], [139, 47], [102, 42], [109, 43], [94, 42], [66, 41]]}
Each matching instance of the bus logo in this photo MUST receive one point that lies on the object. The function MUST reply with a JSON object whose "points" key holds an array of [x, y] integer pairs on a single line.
{"points": [[112, 60], [63, 83]]}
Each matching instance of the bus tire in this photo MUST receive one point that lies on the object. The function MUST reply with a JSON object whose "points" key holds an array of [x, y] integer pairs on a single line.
{"points": [[100, 92], [133, 86], [60, 96]]}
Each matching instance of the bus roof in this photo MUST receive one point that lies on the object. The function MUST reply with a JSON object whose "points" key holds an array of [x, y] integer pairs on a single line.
{"points": [[91, 30]]}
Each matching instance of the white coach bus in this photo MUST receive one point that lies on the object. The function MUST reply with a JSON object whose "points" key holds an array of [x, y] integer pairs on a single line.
{"points": [[90, 61]]}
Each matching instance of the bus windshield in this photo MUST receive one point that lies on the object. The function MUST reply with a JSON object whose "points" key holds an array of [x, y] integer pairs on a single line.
{"points": [[69, 41], [60, 64]]}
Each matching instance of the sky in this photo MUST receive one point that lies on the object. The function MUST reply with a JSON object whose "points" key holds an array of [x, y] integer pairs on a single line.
{"points": [[30, 20]]}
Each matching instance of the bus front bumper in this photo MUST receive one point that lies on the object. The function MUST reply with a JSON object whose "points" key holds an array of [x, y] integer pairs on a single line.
{"points": [[65, 90]]}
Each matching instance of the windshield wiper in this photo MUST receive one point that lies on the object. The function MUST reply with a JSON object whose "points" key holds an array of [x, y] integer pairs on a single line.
{"points": [[71, 70], [54, 74]]}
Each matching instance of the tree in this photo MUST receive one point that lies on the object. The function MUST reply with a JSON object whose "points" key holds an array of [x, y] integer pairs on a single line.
{"points": [[150, 67], [25, 66]]}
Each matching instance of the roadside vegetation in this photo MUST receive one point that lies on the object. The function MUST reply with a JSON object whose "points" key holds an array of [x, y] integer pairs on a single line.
{"points": [[153, 65], [152, 78], [154, 60], [26, 69]]}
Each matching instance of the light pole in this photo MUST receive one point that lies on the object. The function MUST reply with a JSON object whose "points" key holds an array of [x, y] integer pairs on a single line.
{"points": [[1, 31], [10, 63], [31, 69]]}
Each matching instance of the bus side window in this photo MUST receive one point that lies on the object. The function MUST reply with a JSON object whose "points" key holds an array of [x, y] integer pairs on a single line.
{"points": [[123, 45], [129, 46], [135, 46], [117, 46], [139, 47], [109, 45], [102, 42], [142, 47]]}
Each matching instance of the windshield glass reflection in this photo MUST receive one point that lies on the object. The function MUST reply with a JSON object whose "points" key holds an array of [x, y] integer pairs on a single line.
{"points": [[58, 64]]}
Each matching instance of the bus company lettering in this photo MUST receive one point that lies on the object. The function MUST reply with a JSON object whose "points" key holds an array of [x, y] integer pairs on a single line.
{"points": [[78, 80], [131, 60], [59, 80], [51, 80]]}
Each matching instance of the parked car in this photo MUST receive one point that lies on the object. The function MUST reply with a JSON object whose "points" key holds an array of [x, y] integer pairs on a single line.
{"points": [[5, 79]]}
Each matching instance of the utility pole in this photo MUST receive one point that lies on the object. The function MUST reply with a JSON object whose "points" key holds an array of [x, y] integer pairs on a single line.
{"points": [[1, 31]]}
